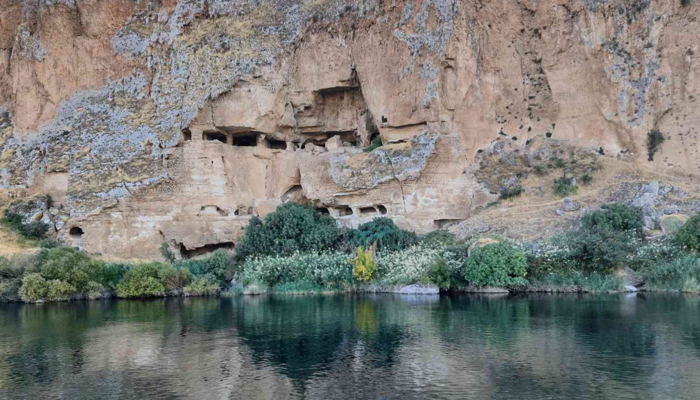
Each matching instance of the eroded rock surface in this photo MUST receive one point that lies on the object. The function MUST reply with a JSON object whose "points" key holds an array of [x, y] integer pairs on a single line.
{"points": [[173, 121]]}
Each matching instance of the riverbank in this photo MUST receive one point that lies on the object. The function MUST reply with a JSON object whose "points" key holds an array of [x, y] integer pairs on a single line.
{"points": [[607, 253]]}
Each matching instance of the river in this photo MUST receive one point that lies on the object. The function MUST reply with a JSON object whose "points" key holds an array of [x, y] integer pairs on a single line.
{"points": [[639, 346]]}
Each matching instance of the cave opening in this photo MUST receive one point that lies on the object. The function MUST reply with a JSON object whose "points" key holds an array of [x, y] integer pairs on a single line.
{"points": [[187, 135], [206, 249], [344, 211], [323, 211], [382, 209], [248, 139], [367, 211], [214, 135], [76, 232], [275, 144]]}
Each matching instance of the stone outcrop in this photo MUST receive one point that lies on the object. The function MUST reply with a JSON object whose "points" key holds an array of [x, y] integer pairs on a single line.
{"points": [[151, 121]]}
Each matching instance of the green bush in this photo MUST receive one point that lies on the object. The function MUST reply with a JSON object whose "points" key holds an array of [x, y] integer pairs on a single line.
{"points": [[151, 280], [59, 290], [291, 228], [654, 141], [445, 273], [510, 192], [383, 235], [71, 266], [615, 217], [586, 179], [206, 285], [9, 289], [607, 238], [496, 264], [687, 237], [376, 142], [564, 187], [220, 265], [439, 238], [34, 230], [685, 3], [94, 290], [34, 288]]}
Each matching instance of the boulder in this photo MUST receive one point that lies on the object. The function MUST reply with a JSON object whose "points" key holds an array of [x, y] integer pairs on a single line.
{"points": [[670, 223], [334, 144], [569, 205], [419, 289]]}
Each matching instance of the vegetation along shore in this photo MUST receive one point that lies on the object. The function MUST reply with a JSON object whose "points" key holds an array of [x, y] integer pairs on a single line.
{"points": [[295, 250]]}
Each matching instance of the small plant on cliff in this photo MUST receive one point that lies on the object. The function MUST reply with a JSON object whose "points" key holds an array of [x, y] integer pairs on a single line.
{"points": [[564, 187], [291, 228], [167, 254], [510, 192], [685, 3], [363, 266], [687, 237], [383, 234], [654, 141], [496, 264], [34, 230], [586, 179], [376, 142]]}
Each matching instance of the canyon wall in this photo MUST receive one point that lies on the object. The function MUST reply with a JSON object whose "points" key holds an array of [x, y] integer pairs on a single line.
{"points": [[151, 121]]}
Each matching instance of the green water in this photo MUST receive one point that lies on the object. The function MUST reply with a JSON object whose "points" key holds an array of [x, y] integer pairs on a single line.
{"points": [[344, 346]]}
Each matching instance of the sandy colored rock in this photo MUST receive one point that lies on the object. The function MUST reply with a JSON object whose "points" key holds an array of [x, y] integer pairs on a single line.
{"points": [[178, 121]]}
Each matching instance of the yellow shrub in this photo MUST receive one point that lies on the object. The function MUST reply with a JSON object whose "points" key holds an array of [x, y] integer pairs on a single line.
{"points": [[363, 266]]}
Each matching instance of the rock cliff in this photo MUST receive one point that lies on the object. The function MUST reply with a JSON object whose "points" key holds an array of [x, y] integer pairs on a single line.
{"points": [[151, 121]]}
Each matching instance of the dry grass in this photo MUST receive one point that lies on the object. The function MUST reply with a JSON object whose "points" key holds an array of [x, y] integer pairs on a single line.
{"points": [[533, 215]]}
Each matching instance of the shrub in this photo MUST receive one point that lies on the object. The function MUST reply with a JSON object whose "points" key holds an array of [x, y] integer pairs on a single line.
{"points": [[206, 285], [685, 3], [376, 142], [94, 290], [34, 288], [59, 290], [408, 266], [219, 265], [615, 217], [324, 269], [439, 238], [383, 235], [607, 238], [70, 265], [167, 254], [586, 179], [363, 266], [34, 230], [654, 141], [444, 273], [510, 192], [291, 228], [564, 187], [9, 289], [496, 264], [679, 274], [688, 236], [148, 280]]}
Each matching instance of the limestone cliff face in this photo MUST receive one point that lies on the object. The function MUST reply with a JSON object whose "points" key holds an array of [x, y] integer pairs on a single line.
{"points": [[150, 121]]}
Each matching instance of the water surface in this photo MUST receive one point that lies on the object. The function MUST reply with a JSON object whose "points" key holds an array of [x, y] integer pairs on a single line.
{"points": [[362, 346]]}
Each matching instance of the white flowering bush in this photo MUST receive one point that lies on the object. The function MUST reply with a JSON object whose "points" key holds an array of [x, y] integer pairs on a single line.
{"points": [[408, 266], [324, 269]]}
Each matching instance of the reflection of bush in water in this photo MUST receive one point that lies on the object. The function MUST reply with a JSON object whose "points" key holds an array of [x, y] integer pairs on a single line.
{"points": [[304, 334]]}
